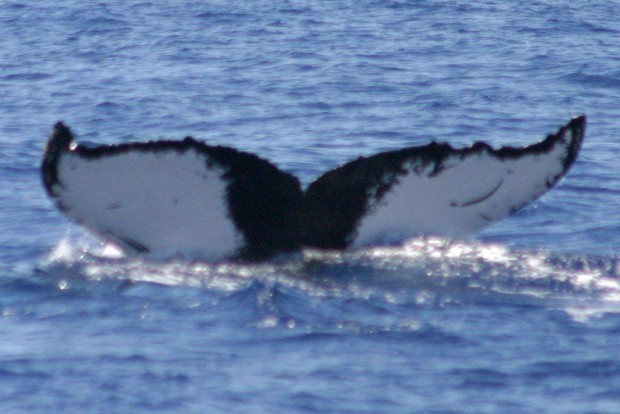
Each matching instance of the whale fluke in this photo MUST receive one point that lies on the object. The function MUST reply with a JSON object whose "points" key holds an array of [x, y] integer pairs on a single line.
{"points": [[216, 202], [175, 196], [433, 189]]}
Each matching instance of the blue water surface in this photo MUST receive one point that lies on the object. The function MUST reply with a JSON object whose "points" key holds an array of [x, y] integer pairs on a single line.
{"points": [[522, 318]]}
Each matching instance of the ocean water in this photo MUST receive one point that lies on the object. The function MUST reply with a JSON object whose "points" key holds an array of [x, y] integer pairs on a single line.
{"points": [[523, 317]]}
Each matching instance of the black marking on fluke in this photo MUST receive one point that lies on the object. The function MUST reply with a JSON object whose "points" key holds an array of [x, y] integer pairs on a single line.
{"points": [[268, 206], [478, 199]]}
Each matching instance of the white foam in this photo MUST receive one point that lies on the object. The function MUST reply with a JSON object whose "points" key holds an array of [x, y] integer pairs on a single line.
{"points": [[168, 201], [468, 195]]}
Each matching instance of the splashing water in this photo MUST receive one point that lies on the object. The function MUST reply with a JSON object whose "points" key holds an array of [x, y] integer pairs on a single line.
{"points": [[424, 270]]}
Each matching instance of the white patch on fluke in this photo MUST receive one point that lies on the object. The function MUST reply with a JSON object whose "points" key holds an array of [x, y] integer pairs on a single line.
{"points": [[470, 193], [165, 201]]}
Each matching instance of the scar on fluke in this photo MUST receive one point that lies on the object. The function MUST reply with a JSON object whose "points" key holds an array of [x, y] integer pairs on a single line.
{"points": [[217, 202]]}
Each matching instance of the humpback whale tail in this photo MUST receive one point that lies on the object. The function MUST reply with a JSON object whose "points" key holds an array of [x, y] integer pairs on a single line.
{"points": [[217, 202]]}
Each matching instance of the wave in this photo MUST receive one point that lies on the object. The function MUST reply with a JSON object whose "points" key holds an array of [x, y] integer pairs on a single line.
{"points": [[584, 76], [26, 77], [424, 271]]}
